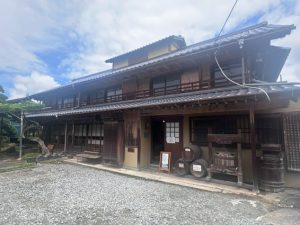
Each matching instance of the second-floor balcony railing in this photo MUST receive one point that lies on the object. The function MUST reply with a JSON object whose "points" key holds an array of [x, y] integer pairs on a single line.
{"points": [[167, 90]]}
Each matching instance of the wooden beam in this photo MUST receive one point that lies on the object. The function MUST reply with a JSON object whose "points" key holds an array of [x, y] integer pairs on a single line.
{"points": [[207, 107]]}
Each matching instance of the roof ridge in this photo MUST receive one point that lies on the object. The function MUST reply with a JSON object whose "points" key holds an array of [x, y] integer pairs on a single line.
{"points": [[89, 75], [264, 23]]}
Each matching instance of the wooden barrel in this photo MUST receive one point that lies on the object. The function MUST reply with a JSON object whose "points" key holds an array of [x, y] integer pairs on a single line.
{"points": [[182, 167], [271, 173], [198, 168], [191, 153]]}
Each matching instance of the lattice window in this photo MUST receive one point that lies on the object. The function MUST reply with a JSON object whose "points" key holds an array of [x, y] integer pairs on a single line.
{"points": [[172, 132], [291, 124]]}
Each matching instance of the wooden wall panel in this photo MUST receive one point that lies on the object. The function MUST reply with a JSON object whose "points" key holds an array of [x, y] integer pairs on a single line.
{"points": [[190, 76], [206, 74], [129, 86], [143, 84], [110, 141]]}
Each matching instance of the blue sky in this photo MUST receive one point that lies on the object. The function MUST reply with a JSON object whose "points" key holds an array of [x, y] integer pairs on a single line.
{"points": [[47, 43]]}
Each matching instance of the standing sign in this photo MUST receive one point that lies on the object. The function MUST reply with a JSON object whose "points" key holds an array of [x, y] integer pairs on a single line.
{"points": [[165, 162]]}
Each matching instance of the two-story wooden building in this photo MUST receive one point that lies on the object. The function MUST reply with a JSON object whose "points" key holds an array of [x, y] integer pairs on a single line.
{"points": [[166, 95]]}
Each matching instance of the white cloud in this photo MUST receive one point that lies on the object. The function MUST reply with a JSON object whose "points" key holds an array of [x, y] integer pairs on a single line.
{"points": [[34, 83], [91, 31], [109, 28]]}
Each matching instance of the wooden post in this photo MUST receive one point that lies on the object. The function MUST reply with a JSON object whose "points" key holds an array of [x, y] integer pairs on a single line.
{"points": [[21, 136], [66, 130], [73, 129], [253, 147], [239, 152], [210, 156]]}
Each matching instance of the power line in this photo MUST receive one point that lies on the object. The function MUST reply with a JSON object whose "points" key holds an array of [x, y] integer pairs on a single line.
{"points": [[232, 8], [218, 64]]}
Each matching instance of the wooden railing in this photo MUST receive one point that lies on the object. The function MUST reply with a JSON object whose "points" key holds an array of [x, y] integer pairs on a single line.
{"points": [[169, 90]]}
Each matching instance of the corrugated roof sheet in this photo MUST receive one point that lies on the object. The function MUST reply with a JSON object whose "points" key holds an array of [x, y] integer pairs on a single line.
{"points": [[204, 95], [258, 30]]}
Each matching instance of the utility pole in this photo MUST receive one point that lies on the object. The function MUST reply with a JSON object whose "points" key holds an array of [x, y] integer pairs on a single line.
{"points": [[21, 136], [1, 127]]}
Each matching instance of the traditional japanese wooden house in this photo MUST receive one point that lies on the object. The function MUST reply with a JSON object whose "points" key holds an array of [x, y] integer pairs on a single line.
{"points": [[166, 95]]}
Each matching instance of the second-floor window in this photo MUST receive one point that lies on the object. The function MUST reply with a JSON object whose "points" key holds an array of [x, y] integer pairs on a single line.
{"points": [[166, 84], [97, 97], [232, 70], [114, 94], [68, 102]]}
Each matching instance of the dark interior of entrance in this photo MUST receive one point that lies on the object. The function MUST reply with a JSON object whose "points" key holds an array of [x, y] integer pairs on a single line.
{"points": [[157, 139]]}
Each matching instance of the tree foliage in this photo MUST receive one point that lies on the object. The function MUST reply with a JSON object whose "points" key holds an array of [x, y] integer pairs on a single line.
{"points": [[10, 113], [23, 105], [3, 97]]}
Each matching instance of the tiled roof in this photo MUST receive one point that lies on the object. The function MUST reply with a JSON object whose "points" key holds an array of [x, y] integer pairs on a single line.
{"points": [[204, 95], [247, 33], [180, 40], [259, 30]]}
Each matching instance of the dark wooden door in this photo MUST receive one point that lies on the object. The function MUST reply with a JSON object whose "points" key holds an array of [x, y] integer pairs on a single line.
{"points": [[174, 138], [110, 141]]}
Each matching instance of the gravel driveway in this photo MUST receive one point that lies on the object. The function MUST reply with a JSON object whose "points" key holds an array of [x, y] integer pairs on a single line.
{"points": [[67, 194]]}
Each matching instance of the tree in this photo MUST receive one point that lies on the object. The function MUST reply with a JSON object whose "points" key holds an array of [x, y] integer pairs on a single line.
{"points": [[11, 111]]}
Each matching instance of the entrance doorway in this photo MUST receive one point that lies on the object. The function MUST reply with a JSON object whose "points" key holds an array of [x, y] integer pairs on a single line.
{"points": [[166, 136], [158, 140]]}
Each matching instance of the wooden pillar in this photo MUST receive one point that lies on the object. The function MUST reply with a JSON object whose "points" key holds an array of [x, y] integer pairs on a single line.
{"points": [[73, 129], [120, 143], [210, 156], [239, 154], [253, 147], [66, 130]]}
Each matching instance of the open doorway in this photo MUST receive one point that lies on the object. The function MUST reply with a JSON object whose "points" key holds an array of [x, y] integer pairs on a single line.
{"points": [[157, 126]]}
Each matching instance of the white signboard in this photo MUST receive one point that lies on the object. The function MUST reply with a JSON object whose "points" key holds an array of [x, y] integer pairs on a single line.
{"points": [[197, 168], [165, 160], [187, 149], [181, 165], [171, 140]]}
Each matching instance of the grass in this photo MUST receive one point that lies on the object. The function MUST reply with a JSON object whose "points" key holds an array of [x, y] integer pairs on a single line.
{"points": [[15, 166], [9, 161], [31, 155]]}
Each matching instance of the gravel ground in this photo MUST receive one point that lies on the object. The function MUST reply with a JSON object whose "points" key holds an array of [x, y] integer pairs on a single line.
{"points": [[67, 194]]}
